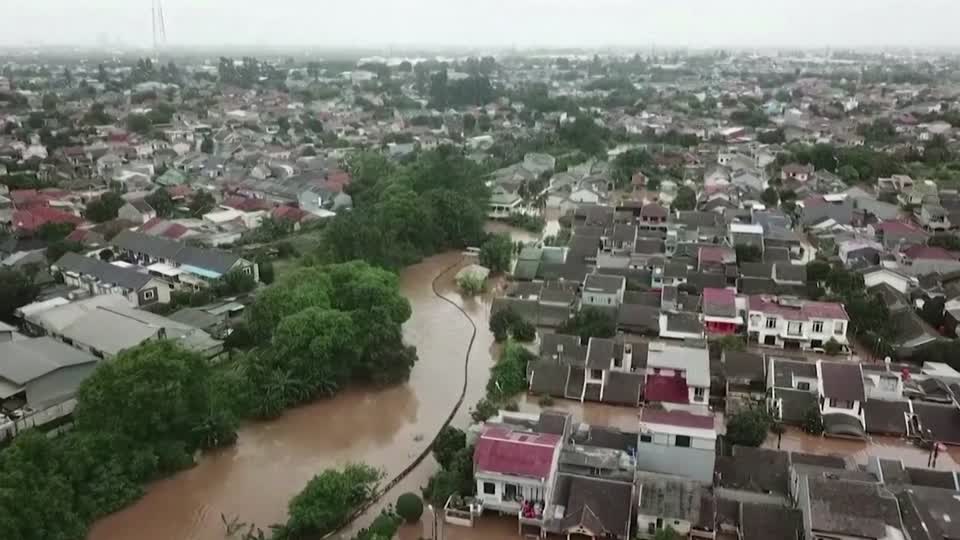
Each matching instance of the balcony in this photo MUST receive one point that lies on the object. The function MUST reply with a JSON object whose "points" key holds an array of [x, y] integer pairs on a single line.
{"points": [[531, 513]]}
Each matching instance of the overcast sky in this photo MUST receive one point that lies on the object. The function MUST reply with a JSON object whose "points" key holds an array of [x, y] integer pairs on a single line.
{"points": [[522, 23]]}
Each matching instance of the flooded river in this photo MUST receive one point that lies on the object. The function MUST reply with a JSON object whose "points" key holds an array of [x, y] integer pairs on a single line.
{"points": [[387, 428]]}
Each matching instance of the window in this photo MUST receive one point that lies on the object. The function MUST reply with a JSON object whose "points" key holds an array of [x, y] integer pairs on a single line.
{"points": [[617, 361], [699, 394], [609, 300], [646, 437], [682, 441], [803, 386], [596, 373], [841, 404], [149, 295], [838, 328], [818, 327], [489, 488], [771, 322], [510, 492], [794, 328]]}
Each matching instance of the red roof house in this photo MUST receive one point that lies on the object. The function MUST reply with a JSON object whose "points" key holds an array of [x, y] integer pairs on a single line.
{"points": [[33, 218], [666, 388], [503, 451]]}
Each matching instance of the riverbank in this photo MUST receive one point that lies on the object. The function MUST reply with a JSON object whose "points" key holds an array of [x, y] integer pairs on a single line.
{"points": [[272, 461]]}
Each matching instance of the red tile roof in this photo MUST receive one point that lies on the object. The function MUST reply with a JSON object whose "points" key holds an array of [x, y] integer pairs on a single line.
{"points": [[676, 418], [929, 252], [290, 213], [23, 198], [664, 389], [716, 254], [501, 450], [897, 226], [246, 204], [34, 218], [807, 310]]}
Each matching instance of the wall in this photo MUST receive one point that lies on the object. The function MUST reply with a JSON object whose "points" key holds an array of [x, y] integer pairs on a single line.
{"points": [[644, 523], [661, 456], [57, 386], [601, 299], [527, 488]]}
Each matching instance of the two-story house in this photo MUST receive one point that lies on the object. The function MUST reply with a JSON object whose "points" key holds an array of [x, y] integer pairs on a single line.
{"points": [[611, 375], [511, 467], [841, 398], [796, 172], [204, 264], [788, 322], [677, 376], [677, 443], [934, 217]]}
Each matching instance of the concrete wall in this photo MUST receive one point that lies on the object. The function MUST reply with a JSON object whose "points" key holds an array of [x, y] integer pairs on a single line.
{"points": [[661, 456], [57, 386]]}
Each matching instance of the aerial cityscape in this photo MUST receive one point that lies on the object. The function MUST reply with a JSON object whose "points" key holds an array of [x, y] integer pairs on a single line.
{"points": [[424, 285]]}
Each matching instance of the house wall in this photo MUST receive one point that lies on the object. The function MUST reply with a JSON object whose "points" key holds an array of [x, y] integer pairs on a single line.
{"points": [[601, 299], [647, 525], [663, 456], [920, 267], [527, 488], [899, 283], [805, 334], [57, 386]]}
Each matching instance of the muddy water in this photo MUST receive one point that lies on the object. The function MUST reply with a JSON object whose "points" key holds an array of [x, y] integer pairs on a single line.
{"points": [[387, 428], [861, 451]]}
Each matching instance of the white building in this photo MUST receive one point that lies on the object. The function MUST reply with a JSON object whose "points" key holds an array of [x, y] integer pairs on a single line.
{"points": [[677, 443], [511, 467], [791, 323]]}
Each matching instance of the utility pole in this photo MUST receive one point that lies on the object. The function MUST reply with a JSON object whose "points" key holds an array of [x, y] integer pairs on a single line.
{"points": [[159, 28]]}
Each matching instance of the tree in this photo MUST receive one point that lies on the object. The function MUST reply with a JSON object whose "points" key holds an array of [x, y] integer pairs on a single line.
{"points": [[449, 441], [202, 203], [508, 376], [471, 284], [17, 289], [770, 197], [686, 199], [139, 123], [56, 249], [105, 208], [933, 311], [49, 102], [950, 242], [774, 136], [51, 232], [813, 421], [732, 343], [409, 507], [497, 252], [588, 323], [206, 146], [158, 393], [832, 347], [818, 271], [161, 201], [329, 499], [749, 427]]}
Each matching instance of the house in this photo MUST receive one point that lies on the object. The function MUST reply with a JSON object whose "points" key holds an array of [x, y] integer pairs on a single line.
{"points": [[106, 325], [922, 260], [745, 379], [98, 277], [503, 202], [923, 192], [796, 172], [788, 322], [664, 502], [835, 508], [590, 506], [859, 252], [677, 443], [899, 281], [603, 291], [611, 375], [720, 314], [677, 376], [137, 211], [815, 209], [205, 264], [29, 221], [511, 467], [897, 234], [841, 396], [39, 379], [934, 218]]}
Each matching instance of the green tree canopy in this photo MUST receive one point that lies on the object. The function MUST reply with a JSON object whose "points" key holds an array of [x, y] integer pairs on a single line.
{"points": [[497, 253], [686, 199], [329, 499], [17, 289], [749, 427], [104, 208], [588, 323]]}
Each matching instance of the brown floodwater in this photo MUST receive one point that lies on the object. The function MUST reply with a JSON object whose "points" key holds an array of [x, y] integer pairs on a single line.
{"points": [[884, 447], [254, 479]]}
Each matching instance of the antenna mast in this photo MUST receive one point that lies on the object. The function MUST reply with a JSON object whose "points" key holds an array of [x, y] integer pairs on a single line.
{"points": [[159, 28]]}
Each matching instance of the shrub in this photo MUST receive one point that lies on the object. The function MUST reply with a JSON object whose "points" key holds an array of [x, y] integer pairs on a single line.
{"points": [[482, 410], [513, 406], [449, 441], [832, 347], [409, 507], [523, 331], [546, 401], [471, 285], [749, 427], [813, 421]]}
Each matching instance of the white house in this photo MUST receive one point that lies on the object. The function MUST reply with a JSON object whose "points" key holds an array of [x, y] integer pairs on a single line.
{"points": [[603, 291], [791, 323], [511, 467], [677, 443], [841, 398], [898, 280], [677, 376]]}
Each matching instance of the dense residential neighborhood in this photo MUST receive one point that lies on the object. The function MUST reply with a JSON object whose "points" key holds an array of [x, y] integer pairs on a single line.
{"points": [[672, 263]]}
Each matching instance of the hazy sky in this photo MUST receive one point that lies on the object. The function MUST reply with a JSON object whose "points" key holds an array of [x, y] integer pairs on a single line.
{"points": [[364, 23]]}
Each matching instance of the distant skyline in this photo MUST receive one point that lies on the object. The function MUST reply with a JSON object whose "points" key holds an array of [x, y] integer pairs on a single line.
{"points": [[486, 23]]}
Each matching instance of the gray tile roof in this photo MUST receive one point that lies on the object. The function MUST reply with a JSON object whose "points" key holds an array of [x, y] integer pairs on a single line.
{"points": [[26, 360], [852, 508], [669, 497], [623, 388], [886, 417], [162, 248], [127, 278], [842, 381]]}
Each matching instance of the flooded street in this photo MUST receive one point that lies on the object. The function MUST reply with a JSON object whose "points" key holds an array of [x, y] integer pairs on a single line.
{"points": [[883, 447], [387, 428]]}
